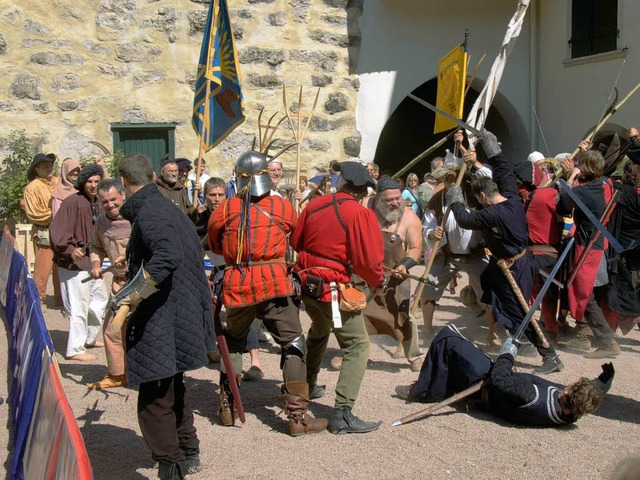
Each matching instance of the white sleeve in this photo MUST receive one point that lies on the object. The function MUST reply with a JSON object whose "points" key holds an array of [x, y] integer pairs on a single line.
{"points": [[485, 171]]}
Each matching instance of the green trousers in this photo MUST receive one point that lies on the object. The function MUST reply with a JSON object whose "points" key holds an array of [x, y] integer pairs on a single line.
{"points": [[353, 340]]}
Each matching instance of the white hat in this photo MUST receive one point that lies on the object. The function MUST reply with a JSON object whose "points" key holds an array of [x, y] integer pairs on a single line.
{"points": [[562, 156], [535, 157]]}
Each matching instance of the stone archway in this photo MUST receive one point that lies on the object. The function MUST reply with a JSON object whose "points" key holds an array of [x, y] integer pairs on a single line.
{"points": [[409, 130]]}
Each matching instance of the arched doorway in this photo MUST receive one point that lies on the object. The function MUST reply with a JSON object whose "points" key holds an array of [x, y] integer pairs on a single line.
{"points": [[409, 130]]}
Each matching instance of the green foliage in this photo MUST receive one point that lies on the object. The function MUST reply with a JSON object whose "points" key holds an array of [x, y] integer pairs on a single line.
{"points": [[13, 178], [115, 163]]}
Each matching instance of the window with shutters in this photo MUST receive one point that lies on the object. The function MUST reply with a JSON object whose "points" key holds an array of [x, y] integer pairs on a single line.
{"points": [[594, 27]]}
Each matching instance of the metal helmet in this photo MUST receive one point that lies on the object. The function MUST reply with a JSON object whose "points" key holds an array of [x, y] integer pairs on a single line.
{"points": [[251, 167]]}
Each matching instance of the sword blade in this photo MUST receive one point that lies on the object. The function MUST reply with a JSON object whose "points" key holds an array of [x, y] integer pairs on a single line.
{"points": [[455, 120]]}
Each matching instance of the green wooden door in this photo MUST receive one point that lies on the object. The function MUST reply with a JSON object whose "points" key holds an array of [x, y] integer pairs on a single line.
{"points": [[152, 140]]}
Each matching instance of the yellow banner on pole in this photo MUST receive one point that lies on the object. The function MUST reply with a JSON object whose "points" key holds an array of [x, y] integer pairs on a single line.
{"points": [[452, 74]]}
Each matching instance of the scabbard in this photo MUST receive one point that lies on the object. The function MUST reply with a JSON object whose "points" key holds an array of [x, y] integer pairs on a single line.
{"points": [[523, 302], [226, 358]]}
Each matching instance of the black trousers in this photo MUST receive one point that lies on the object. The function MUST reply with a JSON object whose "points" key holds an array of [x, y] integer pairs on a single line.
{"points": [[166, 419]]}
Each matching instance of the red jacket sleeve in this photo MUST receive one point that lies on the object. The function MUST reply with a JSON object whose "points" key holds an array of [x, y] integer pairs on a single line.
{"points": [[366, 247], [295, 240]]}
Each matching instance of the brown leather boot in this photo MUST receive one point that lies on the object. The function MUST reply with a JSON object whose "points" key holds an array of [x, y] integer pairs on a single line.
{"points": [[227, 410], [296, 404]]}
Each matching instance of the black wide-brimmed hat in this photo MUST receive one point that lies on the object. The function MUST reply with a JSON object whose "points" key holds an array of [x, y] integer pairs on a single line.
{"points": [[39, 159], [356, 174]]}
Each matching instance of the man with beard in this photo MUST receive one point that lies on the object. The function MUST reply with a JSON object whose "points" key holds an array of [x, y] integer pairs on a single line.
{"points": [[335, 237], [109, 240], [388, 311], [170, 330], [170, 185], [84, 298]]}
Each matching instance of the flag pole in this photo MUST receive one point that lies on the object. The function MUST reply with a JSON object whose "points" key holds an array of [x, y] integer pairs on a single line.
{"points": [[204, 129]]}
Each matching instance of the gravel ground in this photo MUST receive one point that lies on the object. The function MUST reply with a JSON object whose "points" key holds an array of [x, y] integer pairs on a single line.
{"points": [[453, 444]]}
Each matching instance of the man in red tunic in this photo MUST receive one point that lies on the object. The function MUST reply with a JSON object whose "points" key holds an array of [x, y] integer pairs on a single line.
{"points": [[250, 230], [335, 237]]}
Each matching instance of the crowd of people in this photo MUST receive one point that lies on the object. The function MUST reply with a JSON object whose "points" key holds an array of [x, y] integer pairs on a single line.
{"points": [[341, 245]]}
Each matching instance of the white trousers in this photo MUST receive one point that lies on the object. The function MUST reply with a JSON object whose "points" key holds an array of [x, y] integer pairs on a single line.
{"points": [[85, 304]]}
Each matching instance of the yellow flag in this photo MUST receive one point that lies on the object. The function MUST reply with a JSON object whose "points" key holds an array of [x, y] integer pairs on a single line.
{"points": [[452, 74]]}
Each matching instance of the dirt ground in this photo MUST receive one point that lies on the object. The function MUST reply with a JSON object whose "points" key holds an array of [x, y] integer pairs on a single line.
{"points": [[453, 444]]}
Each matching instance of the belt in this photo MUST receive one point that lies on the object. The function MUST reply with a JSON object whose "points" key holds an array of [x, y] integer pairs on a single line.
{"points": [[511, 260], [272, 261], [546, 249]]}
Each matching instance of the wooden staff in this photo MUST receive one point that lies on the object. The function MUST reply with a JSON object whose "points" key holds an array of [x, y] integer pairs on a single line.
{"points": [[434, 249], [604, 120], [603, 220], [298, 130], [502, 263], [205, 128], [438, 406]]}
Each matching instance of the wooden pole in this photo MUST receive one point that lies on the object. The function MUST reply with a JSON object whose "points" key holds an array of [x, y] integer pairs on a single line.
{"points": [[434, 408], [300, 129], [604, 120], [424, 154], [434, 250], [205, 128]]}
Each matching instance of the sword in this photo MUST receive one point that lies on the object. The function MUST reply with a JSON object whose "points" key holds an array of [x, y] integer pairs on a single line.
{"points": [[224, 353], [448, 116]]}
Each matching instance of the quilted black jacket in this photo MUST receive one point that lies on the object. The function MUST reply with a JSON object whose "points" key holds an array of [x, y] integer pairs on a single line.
{"points": [[172, 330]]}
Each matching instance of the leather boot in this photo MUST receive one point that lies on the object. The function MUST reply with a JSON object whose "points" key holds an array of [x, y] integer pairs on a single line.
{"points": [[296, 404], [344, 421], [169, 470], [227, 410]]}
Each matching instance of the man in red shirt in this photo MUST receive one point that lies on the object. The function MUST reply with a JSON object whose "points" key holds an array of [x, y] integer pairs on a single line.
{"points": [[250, 230], [335, 237]]}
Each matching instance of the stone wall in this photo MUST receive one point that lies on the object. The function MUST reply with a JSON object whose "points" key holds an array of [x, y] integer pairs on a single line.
{"points": [[73, 67]]}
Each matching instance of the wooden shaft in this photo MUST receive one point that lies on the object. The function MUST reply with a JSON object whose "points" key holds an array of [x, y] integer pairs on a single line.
{"points": [[523, 303], [434, 250], [424, 154], [603, 219], [120, 317], [205, 127], [434, 408]]}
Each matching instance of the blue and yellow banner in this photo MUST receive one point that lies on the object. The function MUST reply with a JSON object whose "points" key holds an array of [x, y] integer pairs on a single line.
{"points": [[452, 74], [218, 64]]}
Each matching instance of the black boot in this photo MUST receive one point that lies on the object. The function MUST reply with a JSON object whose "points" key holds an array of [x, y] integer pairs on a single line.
{"points": [[191, 463], [344, 421], [169, 470], [549, 365]]}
